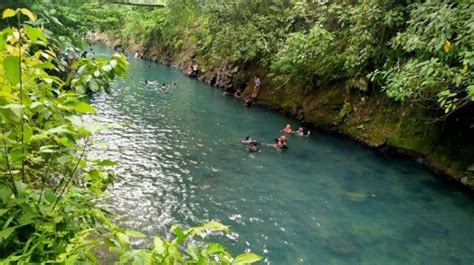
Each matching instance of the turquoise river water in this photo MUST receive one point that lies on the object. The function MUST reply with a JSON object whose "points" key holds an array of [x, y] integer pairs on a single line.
{"points": [[326, 200]]}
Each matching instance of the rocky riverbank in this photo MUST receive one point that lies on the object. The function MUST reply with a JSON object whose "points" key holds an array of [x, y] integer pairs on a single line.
{"points": [[351, 108]]}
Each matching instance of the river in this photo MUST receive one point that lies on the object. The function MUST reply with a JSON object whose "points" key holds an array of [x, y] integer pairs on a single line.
{"points": [[326, 200]]}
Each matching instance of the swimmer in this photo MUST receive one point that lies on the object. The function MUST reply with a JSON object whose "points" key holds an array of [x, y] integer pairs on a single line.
{"points": [[287, 129], [282, 138], [163, 88], [248, 140], [300, 132], [150, 82], [279, 144], [253, 147], [282, 142]]}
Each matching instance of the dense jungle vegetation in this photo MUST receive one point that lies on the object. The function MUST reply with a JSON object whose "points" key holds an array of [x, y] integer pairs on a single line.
{"points": [[49, 185]]}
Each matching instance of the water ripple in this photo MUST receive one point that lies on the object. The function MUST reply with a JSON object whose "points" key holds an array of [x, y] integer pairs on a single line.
{"points": [[325, 201]]}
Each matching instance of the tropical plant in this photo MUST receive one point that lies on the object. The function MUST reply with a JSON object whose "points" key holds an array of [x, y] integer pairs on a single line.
{"points": [[179, 251], [440, 56], [48, 187], [304, 57]]}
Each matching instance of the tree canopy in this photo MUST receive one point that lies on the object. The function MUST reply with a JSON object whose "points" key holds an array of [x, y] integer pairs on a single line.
{"points": [[411, 50]]}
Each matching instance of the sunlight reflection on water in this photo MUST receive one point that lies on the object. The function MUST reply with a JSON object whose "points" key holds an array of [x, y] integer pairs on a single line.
{"points": [[325, 201]]}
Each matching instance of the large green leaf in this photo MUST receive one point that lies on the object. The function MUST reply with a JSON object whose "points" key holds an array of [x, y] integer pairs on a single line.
{"points": [[49, 195], [29, 14], [3, 211], [5, 233], [21, 186], [60, 130], [76, 120], [214, 248], [181, 236], [247, 258], [35, 34], [106, 163], [12, 71], [203, 230], [13, 112], [3, 41], [64, 159], [56, 20], [83, 107], [134, 233], [123, 238], [9, 13], [5, 193], [158, 245]]}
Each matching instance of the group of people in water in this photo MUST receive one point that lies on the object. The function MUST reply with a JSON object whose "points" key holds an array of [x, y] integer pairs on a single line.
{"points": [[280, 143], [253, 146]]}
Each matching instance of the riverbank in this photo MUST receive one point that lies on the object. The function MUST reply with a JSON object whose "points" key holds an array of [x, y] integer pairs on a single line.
{"points": [[352, 108]]}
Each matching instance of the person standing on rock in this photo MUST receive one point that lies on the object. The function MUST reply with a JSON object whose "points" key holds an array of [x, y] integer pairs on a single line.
{"points": [[256, 87], [238, 93], [194, 70]]}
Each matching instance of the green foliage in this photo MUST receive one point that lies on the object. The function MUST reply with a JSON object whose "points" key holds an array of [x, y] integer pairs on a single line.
{"points": [[147, 22], [413, 50], [242, 31], [438, 68], [177, 251], [91, 16], [92, 76], [305, 56], [48, 187]]}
